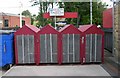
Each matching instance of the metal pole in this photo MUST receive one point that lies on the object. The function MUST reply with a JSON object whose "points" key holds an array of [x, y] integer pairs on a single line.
{"points": [[55, 23], [73, 48], [21, 14], [68, 47], [46, 48], [28, 49], [51, 47], [23, 51], [91, 47], [95, 59], [91, 12]]}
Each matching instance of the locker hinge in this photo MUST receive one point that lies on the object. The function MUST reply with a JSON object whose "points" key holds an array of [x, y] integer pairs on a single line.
{"points": [[82, 40]]}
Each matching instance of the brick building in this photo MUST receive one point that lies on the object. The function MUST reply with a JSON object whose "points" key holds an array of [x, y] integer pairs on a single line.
{"points": [[8, 20]]}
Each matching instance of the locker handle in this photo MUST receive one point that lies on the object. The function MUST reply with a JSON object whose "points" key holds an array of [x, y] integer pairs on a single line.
{"points": [[4, 46]]}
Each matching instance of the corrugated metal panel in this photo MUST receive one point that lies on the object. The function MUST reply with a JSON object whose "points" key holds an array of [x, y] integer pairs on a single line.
{"points": [[108, 39], [19, 49], [99, 48], [88, 48], [31, 49], [77, 47], [93, 48], [71, 48], [43, 54], [48, 48], [25, 47]]}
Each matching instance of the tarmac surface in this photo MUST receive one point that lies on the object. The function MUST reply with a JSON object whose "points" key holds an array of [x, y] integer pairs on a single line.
{"points": [[67, 70]]}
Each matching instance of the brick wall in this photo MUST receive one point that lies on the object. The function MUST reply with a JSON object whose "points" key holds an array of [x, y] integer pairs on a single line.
{"points": [[117, 32]]}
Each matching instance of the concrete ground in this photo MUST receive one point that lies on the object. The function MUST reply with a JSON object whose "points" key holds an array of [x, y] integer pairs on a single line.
{"points": [[110, 65], [67, 70], [109, 68], [2, 72]]}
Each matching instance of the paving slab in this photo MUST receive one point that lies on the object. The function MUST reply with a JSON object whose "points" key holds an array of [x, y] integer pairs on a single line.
{"points": [[67, 70]]}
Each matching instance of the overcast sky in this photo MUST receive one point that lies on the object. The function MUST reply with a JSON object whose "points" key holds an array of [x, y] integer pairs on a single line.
{"points": [[12, 6]]}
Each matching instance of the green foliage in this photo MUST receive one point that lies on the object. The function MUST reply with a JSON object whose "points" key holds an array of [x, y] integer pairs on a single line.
{"points": [[83, 9]]}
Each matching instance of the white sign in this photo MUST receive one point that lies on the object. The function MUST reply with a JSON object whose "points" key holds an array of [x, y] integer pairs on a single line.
{"points": [[56, 12]]}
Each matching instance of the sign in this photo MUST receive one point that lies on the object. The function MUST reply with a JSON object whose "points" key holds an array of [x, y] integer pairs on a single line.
{"points": [[66, 15], [56, 12]]}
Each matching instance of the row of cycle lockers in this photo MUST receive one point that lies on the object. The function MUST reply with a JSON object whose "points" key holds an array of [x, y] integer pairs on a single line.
{"points": [[68, 45]]}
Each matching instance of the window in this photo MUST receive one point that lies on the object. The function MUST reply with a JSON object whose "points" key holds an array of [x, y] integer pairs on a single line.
{"points": [[6, 23], [23, 22]]}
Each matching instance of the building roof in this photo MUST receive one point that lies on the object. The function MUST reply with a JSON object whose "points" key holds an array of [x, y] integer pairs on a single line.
{"points": [[34, 28], [9, 14]]}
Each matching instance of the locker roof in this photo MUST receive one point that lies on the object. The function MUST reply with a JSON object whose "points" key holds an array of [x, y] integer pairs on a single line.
{"points": [[90, 29], [48, 29], [84, 27], [27, 29], [69, 29], [34, 28]]}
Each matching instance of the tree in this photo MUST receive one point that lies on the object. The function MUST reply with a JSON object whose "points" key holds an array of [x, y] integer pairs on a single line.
{"points": [[26, 13], [33, 19], [42, 9]]}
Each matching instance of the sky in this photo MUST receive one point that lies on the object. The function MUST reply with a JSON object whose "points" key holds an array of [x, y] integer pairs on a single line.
{"points": [[13, 6]]}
